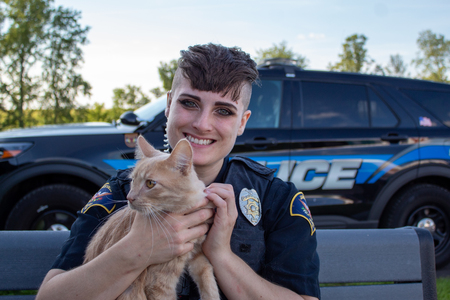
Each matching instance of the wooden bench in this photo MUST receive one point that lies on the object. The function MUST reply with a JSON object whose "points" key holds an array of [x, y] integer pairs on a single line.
{"points": [[355, 263]]}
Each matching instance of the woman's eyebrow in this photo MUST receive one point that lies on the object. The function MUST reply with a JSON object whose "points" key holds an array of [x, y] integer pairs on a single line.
{"points": [[190, 96], [227, 104]]}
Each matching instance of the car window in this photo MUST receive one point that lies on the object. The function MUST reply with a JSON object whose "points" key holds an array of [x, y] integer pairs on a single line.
{"points": [[265, 105], [149, 111], [333, 105], [380, 114], [438, 103]]}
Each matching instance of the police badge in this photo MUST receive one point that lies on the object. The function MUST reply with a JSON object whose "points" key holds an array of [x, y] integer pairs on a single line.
{"points": [[250, 205]]}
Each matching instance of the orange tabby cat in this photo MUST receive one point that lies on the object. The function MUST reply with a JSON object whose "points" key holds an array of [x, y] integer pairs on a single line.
{"points": [[160, 183]]}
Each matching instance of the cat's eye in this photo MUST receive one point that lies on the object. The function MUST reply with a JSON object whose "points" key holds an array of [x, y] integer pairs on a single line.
{"points": [[150, 183]]}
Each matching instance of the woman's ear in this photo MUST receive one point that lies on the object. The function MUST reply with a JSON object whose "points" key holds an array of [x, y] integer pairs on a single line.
{"points": [[244, 119], [169, 101]]}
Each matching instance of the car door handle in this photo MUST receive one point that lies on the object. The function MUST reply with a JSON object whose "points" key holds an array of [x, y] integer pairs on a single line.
{"points": [[261, 143], [394, 137]]}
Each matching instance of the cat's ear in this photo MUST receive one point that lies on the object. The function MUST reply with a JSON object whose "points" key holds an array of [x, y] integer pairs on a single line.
{"points": [[181, 157], [144, 149]]}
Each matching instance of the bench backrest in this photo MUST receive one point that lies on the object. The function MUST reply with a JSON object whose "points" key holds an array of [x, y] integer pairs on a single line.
{"points": [[401, 259], [399, 262], [26, 257]]}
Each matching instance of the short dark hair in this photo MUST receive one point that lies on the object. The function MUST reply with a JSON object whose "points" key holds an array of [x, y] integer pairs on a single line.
{"points": [[216, 68]]}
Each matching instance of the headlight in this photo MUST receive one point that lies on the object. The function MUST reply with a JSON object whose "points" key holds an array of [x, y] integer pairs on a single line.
{"points": [[9, 150]]}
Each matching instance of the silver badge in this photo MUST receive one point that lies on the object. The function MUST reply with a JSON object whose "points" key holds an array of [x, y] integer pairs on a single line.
{"points": [[250, 205]]}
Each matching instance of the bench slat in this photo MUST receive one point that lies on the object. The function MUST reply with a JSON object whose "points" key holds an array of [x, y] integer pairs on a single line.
{"points": [[26, 257], [18, 297], [411, 291], [367, 256]]}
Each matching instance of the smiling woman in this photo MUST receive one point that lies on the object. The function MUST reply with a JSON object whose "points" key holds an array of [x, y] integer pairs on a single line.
{"points": [[207, 119], [251, 259]]}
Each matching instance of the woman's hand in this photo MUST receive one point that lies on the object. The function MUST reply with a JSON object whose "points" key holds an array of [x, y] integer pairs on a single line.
{"points": [[160, 239], [217, 243]]}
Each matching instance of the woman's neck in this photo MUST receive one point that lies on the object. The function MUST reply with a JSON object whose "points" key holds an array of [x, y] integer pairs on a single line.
{"points": [[208, 174]]}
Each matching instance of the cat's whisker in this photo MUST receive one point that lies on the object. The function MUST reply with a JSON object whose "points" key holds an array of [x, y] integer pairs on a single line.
{"points": [[163, 227], [149, 212]]}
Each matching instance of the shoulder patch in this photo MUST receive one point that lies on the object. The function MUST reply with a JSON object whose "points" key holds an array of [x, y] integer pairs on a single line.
{"points": [[102, 198], [299, 208]]}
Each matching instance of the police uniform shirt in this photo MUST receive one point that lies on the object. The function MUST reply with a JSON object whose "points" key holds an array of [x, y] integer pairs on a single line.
{"points": [[280, 247]]}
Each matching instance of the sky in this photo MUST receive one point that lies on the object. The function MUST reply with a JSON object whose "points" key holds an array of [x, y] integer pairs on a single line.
{"points": [[128, 39]]}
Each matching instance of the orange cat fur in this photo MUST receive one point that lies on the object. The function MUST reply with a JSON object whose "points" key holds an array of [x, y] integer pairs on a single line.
{"points": [[160, 183]]}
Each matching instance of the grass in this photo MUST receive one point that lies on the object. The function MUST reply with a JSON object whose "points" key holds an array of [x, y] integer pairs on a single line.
{"points": [[443, 288], [10, 293]]}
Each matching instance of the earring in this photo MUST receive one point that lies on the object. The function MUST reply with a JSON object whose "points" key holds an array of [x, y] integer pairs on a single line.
{"points": [[166, 141]]}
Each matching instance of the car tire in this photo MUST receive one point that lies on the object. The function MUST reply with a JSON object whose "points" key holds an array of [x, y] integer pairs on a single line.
{"points": [[427, 206], [51, 207]]}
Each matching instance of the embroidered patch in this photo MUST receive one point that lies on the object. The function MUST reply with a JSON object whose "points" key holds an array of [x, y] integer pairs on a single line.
{"points": [[250, 205], [300, 208], [102, 198], [130, 139]]}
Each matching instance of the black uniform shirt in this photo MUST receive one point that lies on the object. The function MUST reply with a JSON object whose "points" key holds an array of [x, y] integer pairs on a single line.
{"points": [[280, 247]]}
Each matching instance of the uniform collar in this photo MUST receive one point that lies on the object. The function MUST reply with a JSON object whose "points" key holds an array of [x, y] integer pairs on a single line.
{"points": [[221, 176]]}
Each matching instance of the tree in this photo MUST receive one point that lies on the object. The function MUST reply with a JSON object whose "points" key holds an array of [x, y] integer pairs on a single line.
{"points": [[167, 73], [281, 51], [20, 49], [157, 92], [129, 98], [433, 58], [61, 59], [354, 57], [396, 66]]}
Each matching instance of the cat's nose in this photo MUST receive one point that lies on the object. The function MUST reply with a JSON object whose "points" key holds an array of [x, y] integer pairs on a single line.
{"points": [[130, 197]]}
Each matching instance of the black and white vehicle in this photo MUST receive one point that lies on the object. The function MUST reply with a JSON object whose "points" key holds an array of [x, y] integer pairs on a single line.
{"points": [[367, 151]]}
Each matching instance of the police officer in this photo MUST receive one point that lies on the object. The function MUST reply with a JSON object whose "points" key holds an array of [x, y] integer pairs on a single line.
{"points": [[262, 242]]}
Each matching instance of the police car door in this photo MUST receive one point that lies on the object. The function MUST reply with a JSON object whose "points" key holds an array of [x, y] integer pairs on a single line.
{"points": [[267, 136], [344, 139]]}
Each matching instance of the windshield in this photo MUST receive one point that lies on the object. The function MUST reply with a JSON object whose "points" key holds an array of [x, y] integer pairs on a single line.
{"points": [[149, 111]]}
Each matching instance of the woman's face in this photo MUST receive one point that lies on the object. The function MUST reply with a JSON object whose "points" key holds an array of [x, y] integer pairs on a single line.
{"points": [[209, 121]]}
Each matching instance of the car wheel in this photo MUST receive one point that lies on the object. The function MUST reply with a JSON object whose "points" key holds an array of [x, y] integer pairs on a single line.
{"points": [[426, 206], [51, 207]]}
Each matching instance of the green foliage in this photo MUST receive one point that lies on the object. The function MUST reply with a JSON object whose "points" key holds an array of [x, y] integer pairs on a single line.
{"points": [[396, 66], [130, 98], [354, 57], [11, 293], [433, 60], [157, 92], [167, 72], [61, 58], [40, 39], [443, 288], [91, 113], [20, 49], [281, 51]]}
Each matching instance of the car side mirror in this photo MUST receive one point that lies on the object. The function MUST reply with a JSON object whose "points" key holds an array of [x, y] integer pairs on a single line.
{"points": [[129, 118]]}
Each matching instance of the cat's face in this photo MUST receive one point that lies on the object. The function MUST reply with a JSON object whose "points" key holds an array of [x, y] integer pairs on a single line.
{"points": [[163, 182]]}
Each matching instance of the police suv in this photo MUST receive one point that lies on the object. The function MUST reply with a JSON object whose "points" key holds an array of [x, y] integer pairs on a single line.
{"points": [[367, 151]]}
